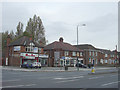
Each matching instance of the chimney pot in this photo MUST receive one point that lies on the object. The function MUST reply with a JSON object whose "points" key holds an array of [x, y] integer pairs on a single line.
{"points": [[61, 39]]}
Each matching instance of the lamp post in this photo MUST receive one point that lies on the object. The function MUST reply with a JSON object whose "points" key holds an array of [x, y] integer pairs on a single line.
{"points": [[77, 42]]}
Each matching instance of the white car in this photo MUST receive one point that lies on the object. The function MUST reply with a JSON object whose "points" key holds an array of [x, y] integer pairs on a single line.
{"points": [[36, 65]]}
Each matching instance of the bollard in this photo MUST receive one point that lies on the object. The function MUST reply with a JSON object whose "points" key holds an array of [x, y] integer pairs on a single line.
{"points": [[93, 70]]}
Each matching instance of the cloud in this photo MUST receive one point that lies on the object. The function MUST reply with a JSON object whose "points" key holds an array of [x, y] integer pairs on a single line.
{"points": [[106, 22]]}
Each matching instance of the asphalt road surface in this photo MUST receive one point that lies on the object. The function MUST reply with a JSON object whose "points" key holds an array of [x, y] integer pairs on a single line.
{"points": [[74, 79]]}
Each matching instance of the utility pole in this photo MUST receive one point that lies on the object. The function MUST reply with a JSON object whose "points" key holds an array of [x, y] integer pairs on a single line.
{"points": [[77, 44]]}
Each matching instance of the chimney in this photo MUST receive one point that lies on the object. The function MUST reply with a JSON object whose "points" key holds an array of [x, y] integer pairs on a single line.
{"points": [[61, 39], [8, 40], [30, 37]]}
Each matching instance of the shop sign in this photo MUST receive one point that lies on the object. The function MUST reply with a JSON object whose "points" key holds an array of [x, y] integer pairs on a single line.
{"points": [[67, 57], [29, 55], [43, 56], [73, 58], [80, 58]]}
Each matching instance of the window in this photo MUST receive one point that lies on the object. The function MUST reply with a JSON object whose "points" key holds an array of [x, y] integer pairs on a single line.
{"points": [[40, 50], [96, 53], [106, 55], [67, 62], [77, 53], [93, 53], [81, 54], [117, 56], [89, 59], [29, 49], [105, 61], [66, 53], [96, 61], [73, 53], [61, 62], [89, 53], [113, 55]]}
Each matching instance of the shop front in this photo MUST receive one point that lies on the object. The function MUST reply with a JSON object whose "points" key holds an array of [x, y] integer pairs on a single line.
{"points": [[43, 59], [28, 57]]}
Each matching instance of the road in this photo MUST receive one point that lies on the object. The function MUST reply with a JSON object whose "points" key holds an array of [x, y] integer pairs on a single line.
{"points": [[74, 79]]}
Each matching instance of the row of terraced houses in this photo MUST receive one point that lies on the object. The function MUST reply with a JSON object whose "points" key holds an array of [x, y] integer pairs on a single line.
{"points": [[57, 53]]}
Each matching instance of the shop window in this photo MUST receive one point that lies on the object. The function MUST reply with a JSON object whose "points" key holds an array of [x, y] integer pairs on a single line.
{"points": [[73, 53], [61, 62], [106, 61], [67, 62], [72, 62]]}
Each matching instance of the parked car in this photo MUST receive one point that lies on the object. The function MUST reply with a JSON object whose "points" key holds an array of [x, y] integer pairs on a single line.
{"points": [[81, 65], [26, 65], [36, 65]]}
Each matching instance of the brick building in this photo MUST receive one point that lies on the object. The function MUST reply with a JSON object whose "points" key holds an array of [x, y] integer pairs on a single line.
{"points": [[91, 54], [61, 53], [24, 49], [98, 56]]}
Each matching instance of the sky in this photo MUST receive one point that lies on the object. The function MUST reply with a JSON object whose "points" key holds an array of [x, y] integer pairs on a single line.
{"points": [[60, 19]]}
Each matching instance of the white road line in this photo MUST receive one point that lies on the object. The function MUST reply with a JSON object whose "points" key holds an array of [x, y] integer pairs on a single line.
{"points": [[113, 75], [69, 78], [109, 83], [67, 81], [18, 86], [10, 80], [96, 77]]}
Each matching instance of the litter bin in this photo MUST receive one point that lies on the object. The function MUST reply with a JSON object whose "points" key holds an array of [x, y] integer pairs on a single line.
{"points": [[66, 68]]}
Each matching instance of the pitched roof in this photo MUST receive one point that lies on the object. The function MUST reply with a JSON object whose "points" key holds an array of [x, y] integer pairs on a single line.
{"points": [[85, 46], [61, 45], [88, 46], [23, 41]]}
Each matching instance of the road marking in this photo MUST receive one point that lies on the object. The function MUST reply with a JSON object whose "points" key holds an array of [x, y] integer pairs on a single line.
{"points": [[109, 83], [18, 86], [10, 80], [113, 75], [69, 78], [96, 77], [67, 81]]}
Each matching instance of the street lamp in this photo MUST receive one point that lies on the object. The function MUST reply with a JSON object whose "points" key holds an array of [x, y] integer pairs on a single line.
{"points": [[77, 40]]}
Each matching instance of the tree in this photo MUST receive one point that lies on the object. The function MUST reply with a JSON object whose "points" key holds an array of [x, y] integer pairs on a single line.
{"points": [[26, 34], [19, 29], [4, 39], [36, 29], [12, 35]]}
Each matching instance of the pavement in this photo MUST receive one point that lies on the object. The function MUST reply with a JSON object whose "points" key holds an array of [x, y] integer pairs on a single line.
{"points": [[62, 69]]}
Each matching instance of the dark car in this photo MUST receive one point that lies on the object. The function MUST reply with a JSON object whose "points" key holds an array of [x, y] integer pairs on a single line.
{"points": [[81, 65], [26, 65]]}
